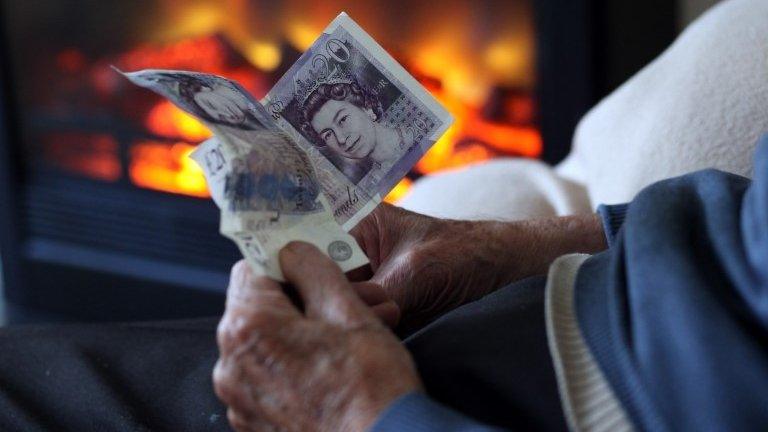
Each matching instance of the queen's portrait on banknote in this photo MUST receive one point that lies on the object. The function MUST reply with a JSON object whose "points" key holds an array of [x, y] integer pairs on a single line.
{"points": [[346, 118], [210, 98], [217, 102]]}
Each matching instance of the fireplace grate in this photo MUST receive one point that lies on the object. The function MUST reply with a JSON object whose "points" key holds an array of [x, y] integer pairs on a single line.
{"points": [[132, 222]]}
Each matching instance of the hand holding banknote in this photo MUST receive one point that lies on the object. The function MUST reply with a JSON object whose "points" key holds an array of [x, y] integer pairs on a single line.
{"points": [[263, 182], [430, 266], [425, 264], [291, 177], [331, 367], [335, 134]]}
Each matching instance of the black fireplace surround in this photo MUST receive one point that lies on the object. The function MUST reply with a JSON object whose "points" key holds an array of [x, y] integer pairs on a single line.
{"points": [[74, 249]]}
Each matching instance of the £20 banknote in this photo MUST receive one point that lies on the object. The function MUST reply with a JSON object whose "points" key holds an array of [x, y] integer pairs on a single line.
{"points": [[329, 141]]}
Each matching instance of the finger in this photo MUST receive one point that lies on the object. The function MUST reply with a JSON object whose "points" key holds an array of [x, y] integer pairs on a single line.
{"points": [[238, 422], [374, 296], [370, 293], [256, 306], [229, 386], [388, 313], [366, 229], [256, 292], [370, 224], [326, 292], [243, 424], [360, 274], [367, 233]]}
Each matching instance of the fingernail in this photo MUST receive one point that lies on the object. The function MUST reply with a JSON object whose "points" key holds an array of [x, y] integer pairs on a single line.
{"points": [[299, 247]]}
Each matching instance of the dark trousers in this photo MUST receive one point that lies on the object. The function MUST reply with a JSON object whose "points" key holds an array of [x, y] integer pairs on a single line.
{"points": [[488, 359]]}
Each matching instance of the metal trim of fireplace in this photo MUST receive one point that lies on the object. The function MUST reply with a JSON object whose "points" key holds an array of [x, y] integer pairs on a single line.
{"points": [[46, 267]]}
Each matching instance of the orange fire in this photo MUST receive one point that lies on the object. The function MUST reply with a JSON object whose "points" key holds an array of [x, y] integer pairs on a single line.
{"points": [[399, 191], [156, 165], [469, 124], [459, 68], [165, 119]]}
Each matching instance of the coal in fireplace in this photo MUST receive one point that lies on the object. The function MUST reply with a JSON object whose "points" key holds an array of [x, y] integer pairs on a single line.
{"points": [[106, 218]]}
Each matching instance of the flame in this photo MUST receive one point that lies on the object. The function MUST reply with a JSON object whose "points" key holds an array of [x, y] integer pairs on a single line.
{"points": [[399, 191], [506, 139], [471, 139], [465, 59], [189, 20], [265, 56], [203, 53], [301, 35], [507, 59], [168, 168], [165, 119]]}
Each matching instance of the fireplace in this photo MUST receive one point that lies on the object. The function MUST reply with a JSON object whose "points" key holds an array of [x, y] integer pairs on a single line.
{"points": [[107, 217]]}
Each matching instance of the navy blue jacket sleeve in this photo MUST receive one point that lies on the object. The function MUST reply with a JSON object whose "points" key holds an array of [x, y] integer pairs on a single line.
{"points": [[416, 412], [613, 218], [676, 311], [754, 230]]}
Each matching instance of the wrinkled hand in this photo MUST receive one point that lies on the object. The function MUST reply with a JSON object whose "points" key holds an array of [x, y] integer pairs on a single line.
{"points": [[373, 295], [334, 367], [429, 266]]}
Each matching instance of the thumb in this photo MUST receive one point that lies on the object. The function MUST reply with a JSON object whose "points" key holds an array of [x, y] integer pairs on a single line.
{"points": [[326, 292]]}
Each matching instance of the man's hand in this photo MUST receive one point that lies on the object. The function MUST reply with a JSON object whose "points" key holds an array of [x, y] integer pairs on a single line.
{"points": [[335, 367], [429, 266]]}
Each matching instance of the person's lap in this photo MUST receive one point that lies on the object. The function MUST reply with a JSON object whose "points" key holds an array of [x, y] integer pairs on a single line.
{"points": [[488, 359]]}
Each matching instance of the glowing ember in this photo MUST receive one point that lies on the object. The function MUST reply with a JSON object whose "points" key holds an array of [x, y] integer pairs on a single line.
{"points": [[484, 78], [95, 155], [480, 137], [265, 56], [158, 166], [470, 140], [168, 168], [165, 119], [206, 53]]}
